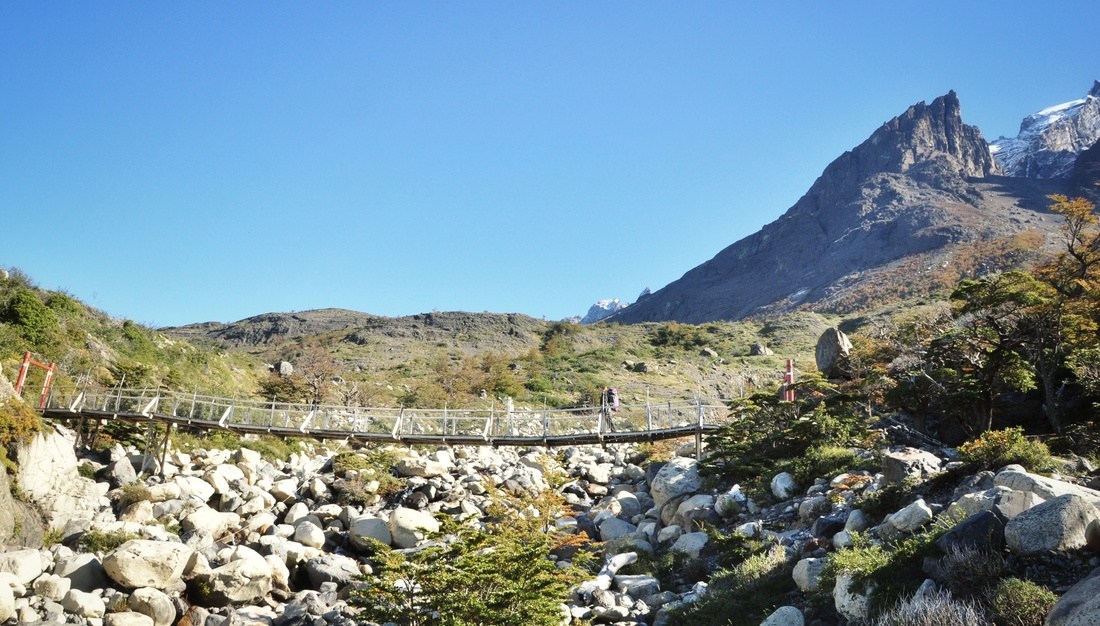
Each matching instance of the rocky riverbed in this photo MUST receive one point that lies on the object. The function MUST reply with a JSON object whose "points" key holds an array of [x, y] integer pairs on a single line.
{"points": [[228, 537]]}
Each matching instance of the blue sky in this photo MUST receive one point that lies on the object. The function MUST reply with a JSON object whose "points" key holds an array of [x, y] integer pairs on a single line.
{"points": [[179, 162]]}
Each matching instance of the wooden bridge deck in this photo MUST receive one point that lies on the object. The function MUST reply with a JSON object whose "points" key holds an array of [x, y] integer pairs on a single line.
{"points": [[493, 426]]}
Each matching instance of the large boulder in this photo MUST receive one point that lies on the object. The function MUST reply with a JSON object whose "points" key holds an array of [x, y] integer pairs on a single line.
{"points": [[408, 527], [154, 603], [364, 528], [335, 568], [84, 571], [144, 563], [241, 581], [1060, 524], [831, 353], [678, 477], [901, 463], [24, 565], [1016, 478], [785, 616], [852, 600], [48, 478]]}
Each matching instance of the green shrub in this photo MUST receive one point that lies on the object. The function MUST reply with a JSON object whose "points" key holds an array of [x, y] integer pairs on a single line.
{"points": [[131, 494], [1018, 602], [273, 448], [86, 470], [33, 319], [936, 608], [827, 461], [18, 422], [99, 541], [499, 575], [996, 448], [894, 569], [742, 595]]}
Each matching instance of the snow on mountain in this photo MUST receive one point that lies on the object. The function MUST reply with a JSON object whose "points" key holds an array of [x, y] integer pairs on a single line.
{"points": [[602, 309], [1050, 140]]}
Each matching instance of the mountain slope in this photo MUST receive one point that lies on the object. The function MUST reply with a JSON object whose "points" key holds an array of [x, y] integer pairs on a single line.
{"points": [[920, 184]]}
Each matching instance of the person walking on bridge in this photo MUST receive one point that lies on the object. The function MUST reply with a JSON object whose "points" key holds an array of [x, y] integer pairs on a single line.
{"points": [[609, 403]]}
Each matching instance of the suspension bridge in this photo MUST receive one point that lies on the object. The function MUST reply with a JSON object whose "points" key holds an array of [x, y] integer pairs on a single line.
{"points": [[90, 408]]}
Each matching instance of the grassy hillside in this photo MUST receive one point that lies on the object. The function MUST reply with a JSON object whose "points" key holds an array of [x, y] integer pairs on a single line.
{"points": [[88, 346], [428, 360]]}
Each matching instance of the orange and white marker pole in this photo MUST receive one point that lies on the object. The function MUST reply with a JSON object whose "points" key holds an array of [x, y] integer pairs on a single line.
{"points": [[788, 382]]}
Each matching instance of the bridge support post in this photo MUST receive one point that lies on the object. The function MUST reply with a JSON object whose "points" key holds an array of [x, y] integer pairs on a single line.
{"points": [[699, 430]]}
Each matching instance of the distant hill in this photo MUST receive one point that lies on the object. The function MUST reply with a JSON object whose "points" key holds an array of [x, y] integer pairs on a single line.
{"points": [[917, 206]]}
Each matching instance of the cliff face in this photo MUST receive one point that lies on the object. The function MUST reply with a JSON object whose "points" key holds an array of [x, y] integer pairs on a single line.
{"points": [[920, 182]]}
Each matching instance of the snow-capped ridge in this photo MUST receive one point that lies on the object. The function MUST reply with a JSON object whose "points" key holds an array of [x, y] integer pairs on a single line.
{"points": [[1050, 140]]}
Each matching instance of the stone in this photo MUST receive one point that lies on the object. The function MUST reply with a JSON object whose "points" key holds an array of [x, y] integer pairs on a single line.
{"points": [[785, 616], [898, 464], [1015, 478], [48, 478], [759, 349], [334, 568], [144, 563], [730, 503], [368, 527], [127, 618], [424, 468], [308, 533], [614, 528], [637, 586], [853, 605], [155, 604], [984, 530], [831, 353], [26, 565], [1059, 524], [911, 517], [783, 486], [84, 604], [409, 527], [51, 587], [7, 603], [678, 477], [814, 507], [807, 573], [84, 571], [204, 524], [691, 545], [242, 581]]}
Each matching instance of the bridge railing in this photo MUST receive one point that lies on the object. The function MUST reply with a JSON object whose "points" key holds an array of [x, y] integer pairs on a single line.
{"points": [[487, 424]]}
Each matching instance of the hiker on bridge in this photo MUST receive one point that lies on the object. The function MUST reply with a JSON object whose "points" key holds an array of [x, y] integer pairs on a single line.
{"points": [[609, 403]]}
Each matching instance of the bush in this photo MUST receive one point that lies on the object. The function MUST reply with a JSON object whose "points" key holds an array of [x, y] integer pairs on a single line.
{"points": [[936, 608], [100, 541], [969, 572], [499, 575], [826, 462], [1018, 602], [742, 595], [18, 422], [996, 448], [131, 494]]}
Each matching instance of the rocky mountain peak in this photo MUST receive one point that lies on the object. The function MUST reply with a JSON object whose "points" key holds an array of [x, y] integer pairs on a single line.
{"points": [[1050, 140], [929, 132], [914, 187]]}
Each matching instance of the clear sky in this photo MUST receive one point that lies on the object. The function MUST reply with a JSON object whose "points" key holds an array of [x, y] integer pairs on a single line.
{"points": [[180, 162]]}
